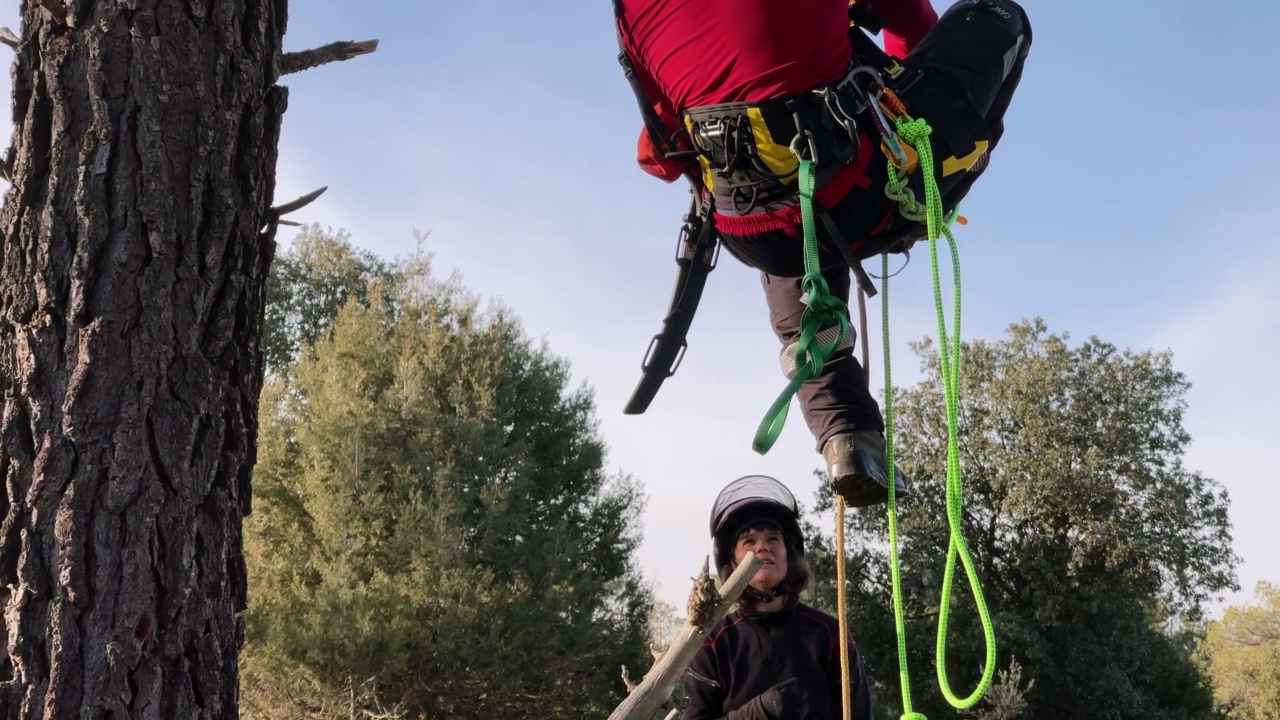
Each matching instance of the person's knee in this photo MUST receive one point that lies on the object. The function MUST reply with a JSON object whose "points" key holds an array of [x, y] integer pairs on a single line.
{"points": [[1008, 14], [1015, 16]]}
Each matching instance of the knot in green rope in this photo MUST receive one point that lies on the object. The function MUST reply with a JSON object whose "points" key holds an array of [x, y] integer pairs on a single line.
{"points": [[914, 132], [818, 297], [822, 310], [812, 354], [913, 716]]}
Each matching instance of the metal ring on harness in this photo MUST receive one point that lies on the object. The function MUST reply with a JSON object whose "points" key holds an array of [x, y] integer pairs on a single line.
{"points": [[877, 80]]}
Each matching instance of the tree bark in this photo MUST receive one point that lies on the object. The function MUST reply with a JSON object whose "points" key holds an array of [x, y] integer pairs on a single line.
{"points": [[132, 283]]}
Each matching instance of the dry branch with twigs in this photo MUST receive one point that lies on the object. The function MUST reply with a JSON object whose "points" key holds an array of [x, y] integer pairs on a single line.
{"points": [[705, 608], [276, 214]]}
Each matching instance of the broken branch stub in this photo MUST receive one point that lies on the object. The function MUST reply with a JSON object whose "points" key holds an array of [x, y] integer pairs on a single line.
{"points": [[9, 38], [292, 62], [706, 607]]}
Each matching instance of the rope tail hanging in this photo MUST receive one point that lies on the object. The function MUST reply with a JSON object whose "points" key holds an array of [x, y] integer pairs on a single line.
{"points": [[916, 133]]}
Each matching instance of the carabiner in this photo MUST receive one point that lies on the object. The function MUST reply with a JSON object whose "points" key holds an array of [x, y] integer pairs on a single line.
{"points": [[888, 135], [797, 151]]}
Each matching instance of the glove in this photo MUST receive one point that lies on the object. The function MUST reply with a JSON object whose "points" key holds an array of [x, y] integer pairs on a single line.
{"points": [[784, 701]]}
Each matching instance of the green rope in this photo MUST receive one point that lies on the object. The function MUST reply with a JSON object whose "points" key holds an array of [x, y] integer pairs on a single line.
{"points": [[822, 310], [916, 133], [899, 622]]}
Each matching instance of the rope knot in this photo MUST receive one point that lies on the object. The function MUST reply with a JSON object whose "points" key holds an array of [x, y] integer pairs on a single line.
{"points": [[811, 352], [914, 716], [815, 289], [821, 307], [914, 132]]}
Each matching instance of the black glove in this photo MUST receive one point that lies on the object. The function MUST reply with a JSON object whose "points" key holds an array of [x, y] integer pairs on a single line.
{"points": [[784, 701]]}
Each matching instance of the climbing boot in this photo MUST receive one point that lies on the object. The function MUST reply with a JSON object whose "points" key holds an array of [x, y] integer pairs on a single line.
{"points": [[858, 471]]}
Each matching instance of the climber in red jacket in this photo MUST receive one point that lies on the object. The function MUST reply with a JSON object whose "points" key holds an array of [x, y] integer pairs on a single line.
{"points": [[735, 91]]}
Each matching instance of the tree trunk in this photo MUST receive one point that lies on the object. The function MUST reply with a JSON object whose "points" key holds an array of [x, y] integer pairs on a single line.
{"points": [[131, 298]]}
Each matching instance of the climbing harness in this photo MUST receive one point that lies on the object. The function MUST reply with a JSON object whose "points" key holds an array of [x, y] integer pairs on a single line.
{"points": [[743, 171]]}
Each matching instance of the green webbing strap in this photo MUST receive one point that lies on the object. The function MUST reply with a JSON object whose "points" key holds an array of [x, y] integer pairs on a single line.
{"points": [[916, 133], [823, 310]]}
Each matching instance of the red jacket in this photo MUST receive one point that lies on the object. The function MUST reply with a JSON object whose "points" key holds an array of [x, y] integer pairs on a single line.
{"points": [[702, 52]]}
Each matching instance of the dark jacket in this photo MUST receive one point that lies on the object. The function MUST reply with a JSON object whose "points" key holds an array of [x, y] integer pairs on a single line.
{"points": [[747, 653]]}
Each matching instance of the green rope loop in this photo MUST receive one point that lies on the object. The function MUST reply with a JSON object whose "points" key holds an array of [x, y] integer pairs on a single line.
{"points": [[822, 310], [916, 133]]}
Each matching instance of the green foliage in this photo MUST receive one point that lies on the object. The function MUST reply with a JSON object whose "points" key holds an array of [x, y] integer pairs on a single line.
{"points": [[433, 530], [1241, 653], [309, 282], [1088, 532]]}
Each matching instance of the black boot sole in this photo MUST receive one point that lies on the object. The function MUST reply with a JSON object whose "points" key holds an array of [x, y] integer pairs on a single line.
{"points": [[860, 490]]}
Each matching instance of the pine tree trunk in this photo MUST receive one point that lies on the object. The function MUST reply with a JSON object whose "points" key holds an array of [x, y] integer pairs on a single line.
{"points": [[131, 295]]}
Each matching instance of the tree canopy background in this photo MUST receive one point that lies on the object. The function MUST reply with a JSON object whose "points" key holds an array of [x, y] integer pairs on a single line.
{"points": [[1097, 549], [434, 531]]}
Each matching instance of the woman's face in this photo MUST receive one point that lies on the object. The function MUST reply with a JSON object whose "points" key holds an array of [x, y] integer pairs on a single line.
{"points": [[768, 545]]}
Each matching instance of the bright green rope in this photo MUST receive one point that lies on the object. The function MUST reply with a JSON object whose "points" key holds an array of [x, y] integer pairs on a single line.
{"points": [[823, 310], [916, 133], [899, 623]]}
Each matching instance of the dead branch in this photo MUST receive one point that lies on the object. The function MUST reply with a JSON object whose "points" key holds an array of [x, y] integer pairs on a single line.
{"points": [[706, 607], [294, 205], [293, 62], [9, 38], [275, 214]]}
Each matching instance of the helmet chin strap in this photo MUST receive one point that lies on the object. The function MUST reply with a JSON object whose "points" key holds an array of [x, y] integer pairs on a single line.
{"points": [[762, 596]]}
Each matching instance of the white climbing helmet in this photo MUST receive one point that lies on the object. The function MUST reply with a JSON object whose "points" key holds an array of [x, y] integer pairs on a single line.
{"points": [[747, 500]]}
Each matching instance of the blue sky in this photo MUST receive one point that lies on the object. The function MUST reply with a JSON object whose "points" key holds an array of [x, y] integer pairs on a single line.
{"points": [[1128, 199]]}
